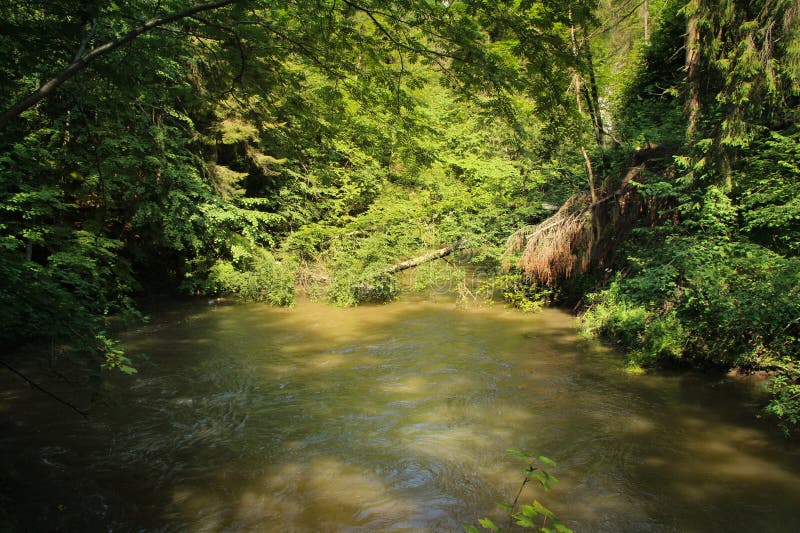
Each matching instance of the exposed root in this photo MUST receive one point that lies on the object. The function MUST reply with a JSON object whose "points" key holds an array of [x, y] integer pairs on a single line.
{"points": [[582, 235]]}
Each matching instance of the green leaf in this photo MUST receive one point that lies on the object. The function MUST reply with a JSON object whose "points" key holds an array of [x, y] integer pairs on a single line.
{"points": [[488, 524], [524, 521], [546, 460], [542, 478], [541, 509], [519, 454]]}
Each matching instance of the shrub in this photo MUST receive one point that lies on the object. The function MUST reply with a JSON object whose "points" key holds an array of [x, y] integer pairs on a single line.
{"points": [[267, 280], [347, 289], [517, 291]]}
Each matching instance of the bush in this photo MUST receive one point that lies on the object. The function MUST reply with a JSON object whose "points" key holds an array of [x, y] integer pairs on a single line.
{"points": [[615, 317], [517, 291], [712, 301], [347, 290], [69, 302], [720, 302], [266, 280], [785, 388], [663, 339]]}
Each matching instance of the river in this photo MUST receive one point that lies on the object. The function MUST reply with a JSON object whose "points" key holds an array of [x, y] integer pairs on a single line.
{"points": [[392, 418]]}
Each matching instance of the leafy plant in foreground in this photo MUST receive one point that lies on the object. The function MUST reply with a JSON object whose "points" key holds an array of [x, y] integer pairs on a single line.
{"points": [[535, 516]]}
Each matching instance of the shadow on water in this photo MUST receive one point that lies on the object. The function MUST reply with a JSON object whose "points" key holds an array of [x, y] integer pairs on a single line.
{"points": [[394, 418]]}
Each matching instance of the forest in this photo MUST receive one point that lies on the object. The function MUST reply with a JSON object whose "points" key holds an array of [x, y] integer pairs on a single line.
{"points": [[635, 161]]}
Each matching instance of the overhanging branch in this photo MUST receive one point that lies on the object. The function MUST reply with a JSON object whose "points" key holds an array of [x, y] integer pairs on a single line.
{"points": [[38, 387], [80, 63]]}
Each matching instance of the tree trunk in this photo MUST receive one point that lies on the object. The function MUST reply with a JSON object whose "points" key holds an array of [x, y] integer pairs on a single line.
{"points": [[581, 89], [692, 65], [430, 256], [597, 118], [590, 172]]}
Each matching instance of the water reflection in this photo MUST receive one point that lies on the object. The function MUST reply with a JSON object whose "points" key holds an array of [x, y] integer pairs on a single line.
{"points": [[397, 418]]}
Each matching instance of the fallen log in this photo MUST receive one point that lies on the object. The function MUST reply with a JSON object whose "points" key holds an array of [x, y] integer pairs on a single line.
{"points": [[430, 256]]}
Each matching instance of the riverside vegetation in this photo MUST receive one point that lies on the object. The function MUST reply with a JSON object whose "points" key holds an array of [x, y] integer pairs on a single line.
{"points": [[643, 157]]}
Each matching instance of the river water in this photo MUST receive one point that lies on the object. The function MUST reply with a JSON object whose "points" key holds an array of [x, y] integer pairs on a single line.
{"points": [[392, 418]]}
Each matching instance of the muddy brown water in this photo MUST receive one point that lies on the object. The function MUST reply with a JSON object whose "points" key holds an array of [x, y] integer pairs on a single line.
{"points": [[391, 418]]}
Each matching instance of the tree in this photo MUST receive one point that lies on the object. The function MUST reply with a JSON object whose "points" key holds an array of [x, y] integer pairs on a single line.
{"points": [[231, 125], [83, 59]]}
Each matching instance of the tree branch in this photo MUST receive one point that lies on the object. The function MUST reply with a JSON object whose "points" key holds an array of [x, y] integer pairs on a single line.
{"points": [[38, 387], [423, 51], [430, 256], [80, 63], [85, 41]]}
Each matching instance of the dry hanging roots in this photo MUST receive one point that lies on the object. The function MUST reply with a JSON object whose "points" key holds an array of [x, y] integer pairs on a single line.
{"points": [[580, 236]]}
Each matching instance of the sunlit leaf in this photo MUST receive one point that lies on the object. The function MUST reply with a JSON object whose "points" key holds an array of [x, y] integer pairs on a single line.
{"points": [[518, 453], [488, 524], [546, 460]]}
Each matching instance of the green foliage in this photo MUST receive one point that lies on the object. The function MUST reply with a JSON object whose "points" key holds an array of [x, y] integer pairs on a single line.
{"points": [[716, 302], [767, 185], [115, 358], [475, 184], [612, 315], [717, 282], [372, 286], [260, 278], [534, 516], [310, 240], [308, 136], [517, 291], [329, 141], [69, 301], [785, 388], [647, 106]]}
